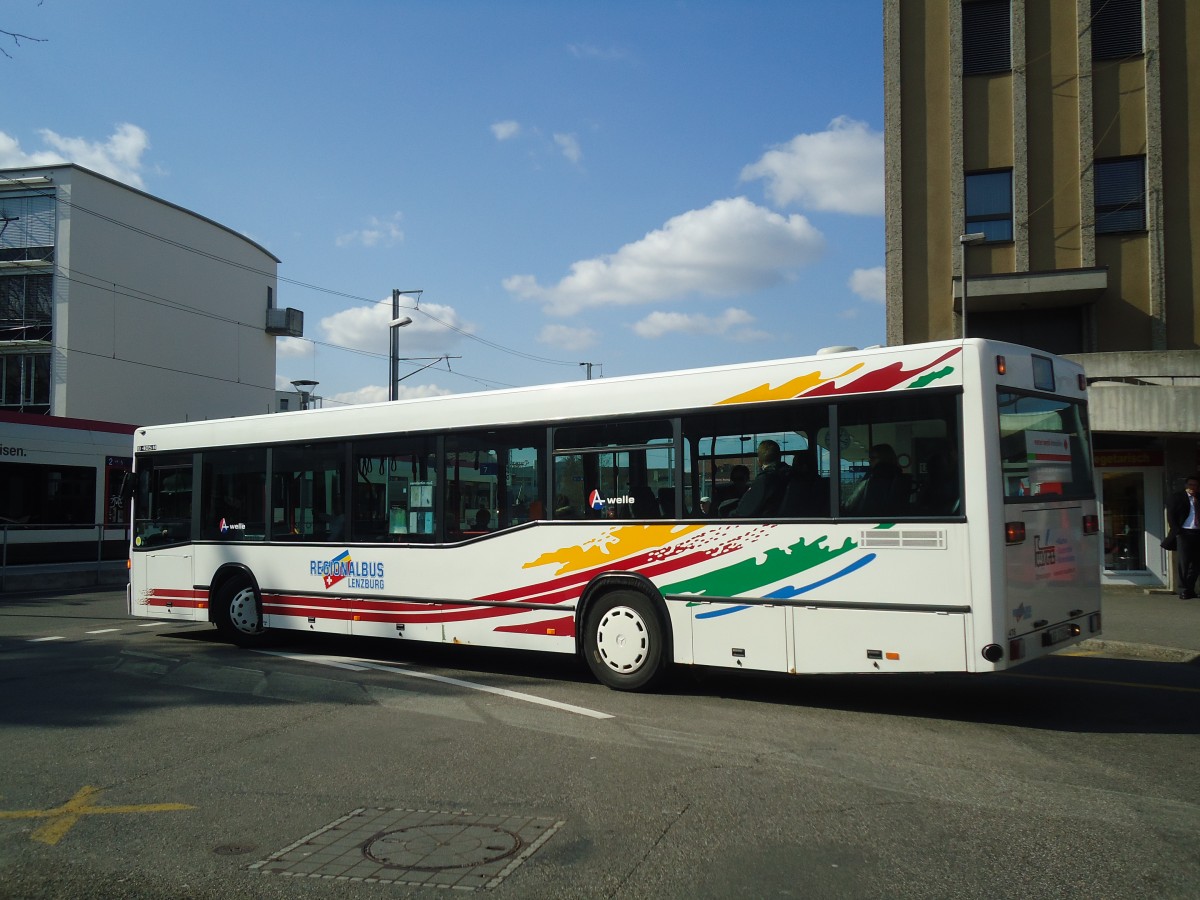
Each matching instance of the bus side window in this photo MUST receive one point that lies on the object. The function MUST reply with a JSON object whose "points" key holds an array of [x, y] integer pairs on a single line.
{"points": [[394, 488], [308, 493], [493, 479], [897, 456]]}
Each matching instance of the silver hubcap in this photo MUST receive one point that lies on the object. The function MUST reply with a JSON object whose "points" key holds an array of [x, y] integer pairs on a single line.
{"points": [[622, 639], [243, 612]]}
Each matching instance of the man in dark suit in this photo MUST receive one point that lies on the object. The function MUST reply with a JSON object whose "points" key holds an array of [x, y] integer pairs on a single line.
{"points": [[766, 491], [1183, 516]]}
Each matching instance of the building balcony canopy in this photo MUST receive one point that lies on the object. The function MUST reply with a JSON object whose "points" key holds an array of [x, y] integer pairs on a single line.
{"points": [[1031, 290]]}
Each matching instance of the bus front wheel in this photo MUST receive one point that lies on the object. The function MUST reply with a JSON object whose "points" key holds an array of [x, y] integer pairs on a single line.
{"points": [[237, 613], [624, 641]]}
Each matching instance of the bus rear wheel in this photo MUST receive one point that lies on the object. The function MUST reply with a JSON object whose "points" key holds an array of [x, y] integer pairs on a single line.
{"points": [[238, 615], [624, 641]]}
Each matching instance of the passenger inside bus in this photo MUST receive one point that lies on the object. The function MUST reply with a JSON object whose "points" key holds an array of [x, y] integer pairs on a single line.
{"points": [[807, 493], [884, 490], [766, 491], [729, 494]]}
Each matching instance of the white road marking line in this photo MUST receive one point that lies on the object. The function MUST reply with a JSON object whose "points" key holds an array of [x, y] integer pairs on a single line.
{"points": [[151, 624], [103, 631], [393, 668], [41, 640], [320, 660]]}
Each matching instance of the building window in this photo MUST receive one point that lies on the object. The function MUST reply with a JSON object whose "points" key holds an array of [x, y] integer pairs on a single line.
{"points": [[990, 204], [1120, 186], [27, 228], [1116, 29], [986, 37], [26, 307], [25, 382]]}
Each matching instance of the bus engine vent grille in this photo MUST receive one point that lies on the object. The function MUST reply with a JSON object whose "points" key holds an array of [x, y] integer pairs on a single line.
{"points": [[903, 538]]}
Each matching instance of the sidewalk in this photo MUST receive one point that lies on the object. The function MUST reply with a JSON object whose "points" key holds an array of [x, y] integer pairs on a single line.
{"points": [[1156, 625]]}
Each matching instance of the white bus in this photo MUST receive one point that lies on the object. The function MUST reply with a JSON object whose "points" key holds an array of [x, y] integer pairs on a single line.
{"points": [[932, 510]]}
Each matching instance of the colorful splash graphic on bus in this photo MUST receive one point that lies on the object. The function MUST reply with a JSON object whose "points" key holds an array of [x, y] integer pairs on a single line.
{"points": [[815, 384]]}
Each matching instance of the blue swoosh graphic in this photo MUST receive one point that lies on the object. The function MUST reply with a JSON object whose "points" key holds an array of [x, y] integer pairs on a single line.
{"points": [[790, 591]]}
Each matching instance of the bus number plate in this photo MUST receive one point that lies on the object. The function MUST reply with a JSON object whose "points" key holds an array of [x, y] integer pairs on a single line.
{"points": [[1056, 635]]}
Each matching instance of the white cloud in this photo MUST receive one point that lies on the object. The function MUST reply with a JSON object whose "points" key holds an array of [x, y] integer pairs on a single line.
{"points": [[506, 129], [569, 145], [293, 348], [728, 248], [837, 170], [377, 233], [375, 393], [564, 337], [870, 284], [731, 323], [366, 328], [119, 157]]}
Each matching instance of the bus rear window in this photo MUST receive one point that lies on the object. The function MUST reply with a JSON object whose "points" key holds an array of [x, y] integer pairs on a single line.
{"points": [[1044, 447]]}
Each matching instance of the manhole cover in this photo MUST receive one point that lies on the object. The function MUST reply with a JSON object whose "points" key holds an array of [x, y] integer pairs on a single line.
{"points": [[414, 846], [442, 846]]}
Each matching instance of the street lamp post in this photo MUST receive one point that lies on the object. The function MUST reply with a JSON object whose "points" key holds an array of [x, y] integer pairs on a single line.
{"points": [[394, 327], [964, 239], [305, 387]]}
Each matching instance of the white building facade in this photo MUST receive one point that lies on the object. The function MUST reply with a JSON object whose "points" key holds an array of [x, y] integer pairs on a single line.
{"points": [[119, 306]]}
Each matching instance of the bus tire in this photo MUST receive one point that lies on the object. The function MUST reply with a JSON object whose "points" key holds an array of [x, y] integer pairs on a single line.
{"points": [[624, 641], [237, 613]]}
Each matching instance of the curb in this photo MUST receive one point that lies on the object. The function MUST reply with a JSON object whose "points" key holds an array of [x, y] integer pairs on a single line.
{"points": [[1127, 650]]}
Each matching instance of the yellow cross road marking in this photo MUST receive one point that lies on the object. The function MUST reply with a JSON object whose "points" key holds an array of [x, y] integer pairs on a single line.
{"points": [[62, 818]]}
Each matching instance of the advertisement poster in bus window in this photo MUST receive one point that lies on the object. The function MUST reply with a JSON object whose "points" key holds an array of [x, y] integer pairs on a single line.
{"points": [[1049, 456]]}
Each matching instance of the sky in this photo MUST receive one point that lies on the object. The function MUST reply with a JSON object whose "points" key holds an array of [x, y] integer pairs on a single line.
{"points": [[640, 186]]}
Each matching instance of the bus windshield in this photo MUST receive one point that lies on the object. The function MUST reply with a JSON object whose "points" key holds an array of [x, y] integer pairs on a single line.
{"points": [[1044, 447]]}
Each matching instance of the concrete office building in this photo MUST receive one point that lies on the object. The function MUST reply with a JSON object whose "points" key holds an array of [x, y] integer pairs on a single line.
{"points": [[119, 306], [1066, 133]]}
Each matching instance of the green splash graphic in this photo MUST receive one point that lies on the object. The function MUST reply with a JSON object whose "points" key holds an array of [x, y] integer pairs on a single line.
{"points": [[930, 377], [779, 563]]}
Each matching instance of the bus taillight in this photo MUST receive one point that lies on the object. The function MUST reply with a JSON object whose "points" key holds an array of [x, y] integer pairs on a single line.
{"points": [[1001, 365], [1091, 524], [1016, 649], [1014, 532]]}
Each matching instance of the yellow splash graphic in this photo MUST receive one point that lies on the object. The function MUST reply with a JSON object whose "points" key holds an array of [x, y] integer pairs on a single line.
{"points": [[788, 389], [627, 540]]}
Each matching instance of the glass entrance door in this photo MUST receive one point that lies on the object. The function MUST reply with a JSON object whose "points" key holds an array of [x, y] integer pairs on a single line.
{"points": [[1124, 497]]}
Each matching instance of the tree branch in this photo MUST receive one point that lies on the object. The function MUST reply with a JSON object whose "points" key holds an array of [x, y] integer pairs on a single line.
{"points": [[17, 40]]}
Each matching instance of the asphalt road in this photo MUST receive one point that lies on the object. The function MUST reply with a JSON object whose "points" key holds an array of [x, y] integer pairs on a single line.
{"points": [[149, 760]]}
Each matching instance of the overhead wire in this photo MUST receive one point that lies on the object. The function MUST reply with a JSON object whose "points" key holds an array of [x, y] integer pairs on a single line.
{"points": [[52, 194]]}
